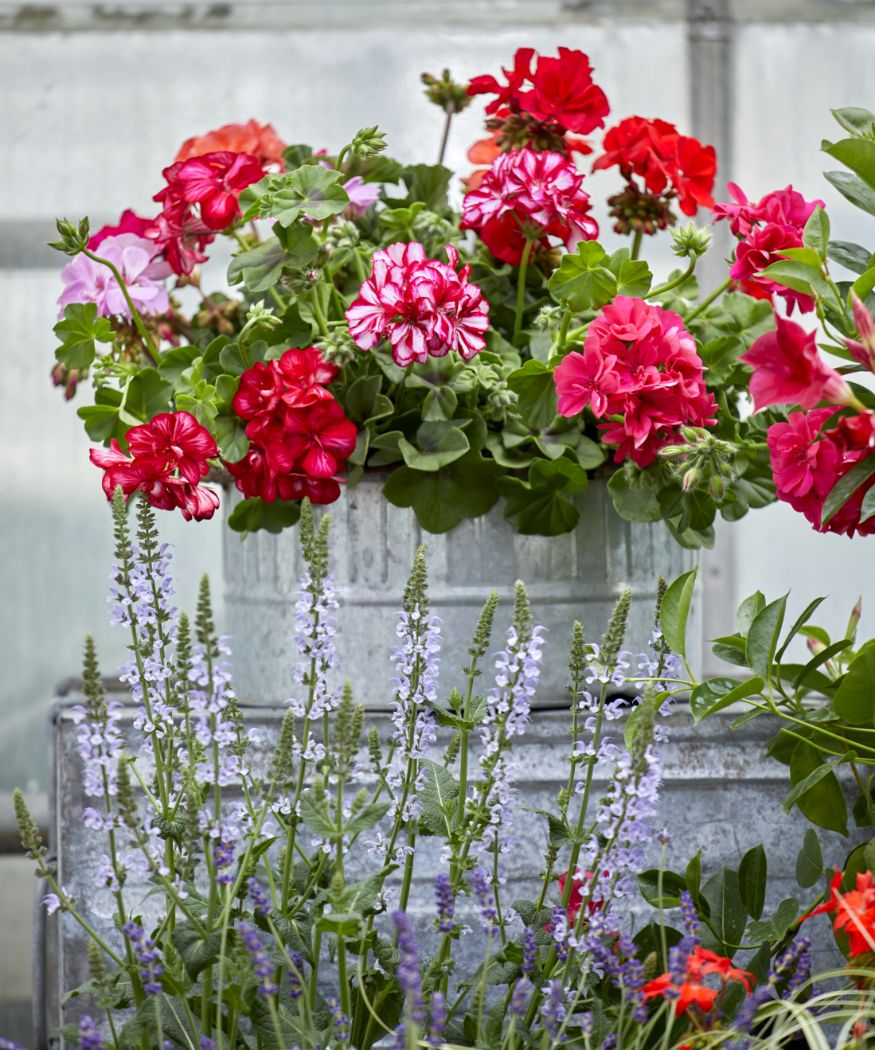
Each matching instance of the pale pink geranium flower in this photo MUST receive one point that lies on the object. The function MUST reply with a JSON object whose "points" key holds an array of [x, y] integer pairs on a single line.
{"points": [[362, 195], [88, 281], [788, 370], [422, 307]]}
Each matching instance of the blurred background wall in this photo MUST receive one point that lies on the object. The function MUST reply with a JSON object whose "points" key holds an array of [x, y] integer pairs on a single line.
{"points": [[96, 98]]}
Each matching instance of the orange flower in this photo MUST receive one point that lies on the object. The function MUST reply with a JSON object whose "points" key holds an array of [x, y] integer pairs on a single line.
{"points": [[693, 991], [258, 140], [854, 911]]}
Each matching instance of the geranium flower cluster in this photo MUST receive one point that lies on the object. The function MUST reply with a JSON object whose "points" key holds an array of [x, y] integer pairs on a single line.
{"points": [[422, 307], [529, 195], [299, 436], [641, 369], [167, 459], [766, 229], [669, 164], [809, 458], [545, 102]]}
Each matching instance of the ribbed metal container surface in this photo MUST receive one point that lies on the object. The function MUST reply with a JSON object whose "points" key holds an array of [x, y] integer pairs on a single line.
{"points": [[577, 575]]}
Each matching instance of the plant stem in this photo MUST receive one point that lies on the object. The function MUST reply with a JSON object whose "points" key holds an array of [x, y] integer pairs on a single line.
{"points": [[563, 330], [445, 136], [637, 238], [151, 349], [705, 303], [667, 287], [521, 289]]}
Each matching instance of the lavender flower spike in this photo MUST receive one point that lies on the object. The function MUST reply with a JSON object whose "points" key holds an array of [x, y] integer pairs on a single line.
{"points": [[261, 964], [409, 977], [147, 956]]}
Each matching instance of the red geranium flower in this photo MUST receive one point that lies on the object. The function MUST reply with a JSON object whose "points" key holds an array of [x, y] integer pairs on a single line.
{"points": [[670, 164], [303, 375], [319, 437], [129, 222], [640, 368], [168, 459], [212, 181], [575, 899], [181, 236], [854, 911], [558, 91], [788, 370], [299, 436]]}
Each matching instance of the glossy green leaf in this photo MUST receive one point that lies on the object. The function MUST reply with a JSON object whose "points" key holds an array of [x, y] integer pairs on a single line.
{"points": [[752, 873], [727, 917], [863, 284], [748, 611], [846, 486], [775, 928], [824, 802], [800, 621], [856, 120], [675, 610], [852, 256], [855, 698], [763, 636], [852, 188], [102, 419], [670, 883], [809, 863], [867, 508], [718, 693], [857, 154], [816, 232]]}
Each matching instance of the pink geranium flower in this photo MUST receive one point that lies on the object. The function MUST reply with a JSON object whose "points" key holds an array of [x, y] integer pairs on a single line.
{"points": [[639, 368], [788, 370], [765, 245], [766, 228], [423, 307], [168, 457], [586, 380], [529, 193], [808, 460], [87, 281]]}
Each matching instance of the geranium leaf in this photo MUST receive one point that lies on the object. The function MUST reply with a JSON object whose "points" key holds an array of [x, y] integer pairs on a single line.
{"points": [[78, 331], [675, 611], [583, 279], [442, 498], [536, 392], [253, 514]]}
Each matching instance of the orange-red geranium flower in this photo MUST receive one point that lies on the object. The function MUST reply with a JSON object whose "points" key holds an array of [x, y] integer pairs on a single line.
{"points": [[854, 911], [692, 991], [258, 140]]}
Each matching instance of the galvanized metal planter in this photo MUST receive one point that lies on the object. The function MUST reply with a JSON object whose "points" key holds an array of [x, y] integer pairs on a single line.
{"points": [[574, 576]]}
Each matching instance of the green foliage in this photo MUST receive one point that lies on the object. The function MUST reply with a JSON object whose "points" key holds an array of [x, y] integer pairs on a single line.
{"points": [[78, 332]]}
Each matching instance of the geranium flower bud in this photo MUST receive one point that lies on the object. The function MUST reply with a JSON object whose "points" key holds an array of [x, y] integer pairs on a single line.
{"points": [[690, 242]]}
